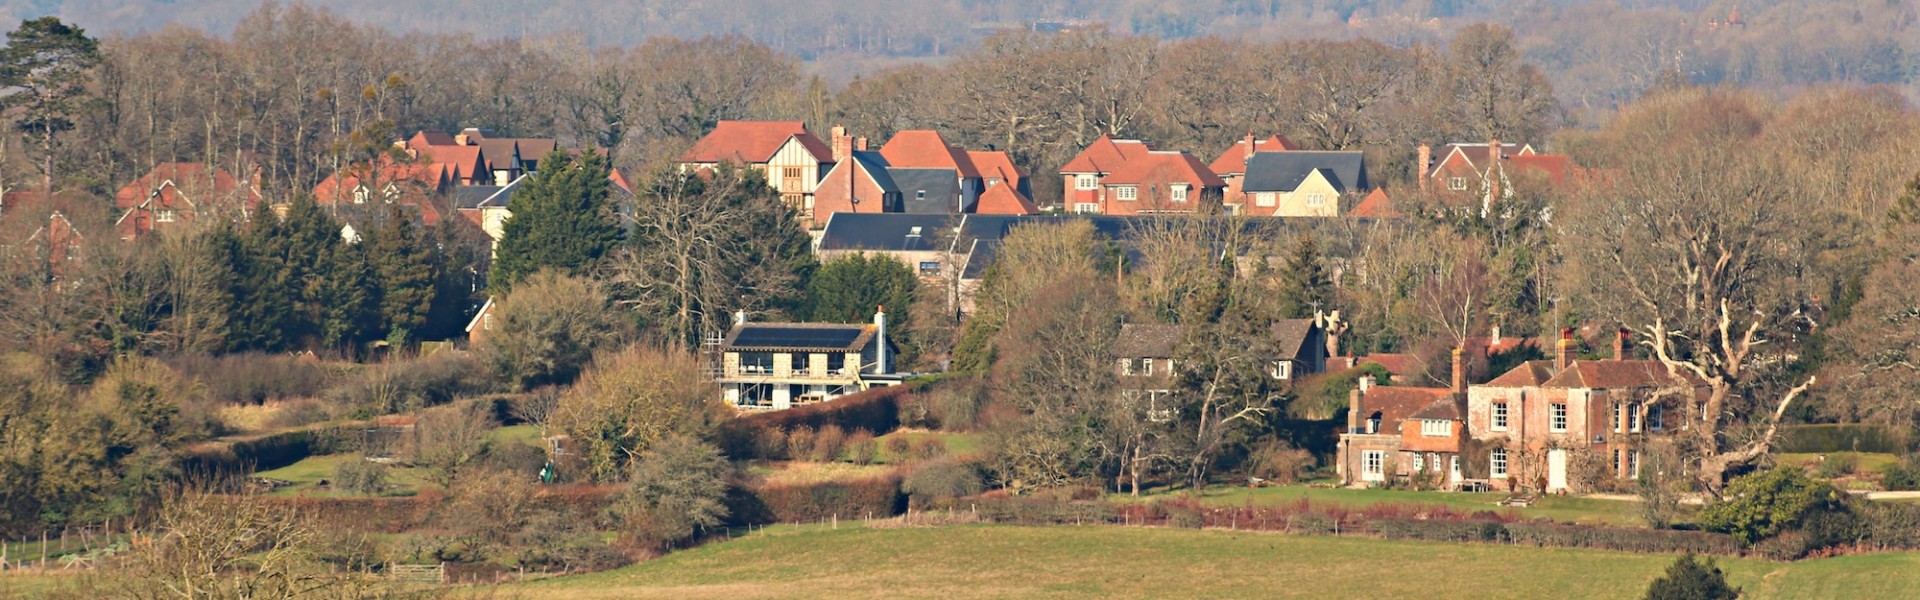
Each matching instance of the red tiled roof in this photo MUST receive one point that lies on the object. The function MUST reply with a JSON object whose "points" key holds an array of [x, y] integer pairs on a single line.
{"points": [[925, 149], [1002, 199], [1615, 374], [1557, 167], [1396, 404], [462, 163], [200, 181], [1105, 155], [1400, 365], [994, 163], [430, 138], [750, 142], [1234, 160], [1476, 154], [1164, 166], [1528, 374], [1375, 206]]}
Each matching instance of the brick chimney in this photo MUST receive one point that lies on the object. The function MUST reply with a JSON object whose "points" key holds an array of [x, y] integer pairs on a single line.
{"points": [[1422, 165], [1250, 148], [1620, 343], [842, 145], [860, 143], [1563, 355], [1355, 403], [1459, 371]]}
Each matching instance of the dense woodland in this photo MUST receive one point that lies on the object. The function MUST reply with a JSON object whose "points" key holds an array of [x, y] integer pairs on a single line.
{"points": [[1760, 239]]}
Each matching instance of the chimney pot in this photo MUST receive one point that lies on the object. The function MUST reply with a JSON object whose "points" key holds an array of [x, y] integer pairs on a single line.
{"points": [[860, 143], [1563, 357], [1620, 343], [1250, 146]]}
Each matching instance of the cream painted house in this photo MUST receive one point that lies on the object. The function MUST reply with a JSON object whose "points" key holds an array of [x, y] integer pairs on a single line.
{"points": [[1299, 183]]}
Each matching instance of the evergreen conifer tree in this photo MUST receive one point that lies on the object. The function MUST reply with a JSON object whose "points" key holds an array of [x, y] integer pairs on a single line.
{"points": [[405, 272], [561, 220], [1304, 284]]}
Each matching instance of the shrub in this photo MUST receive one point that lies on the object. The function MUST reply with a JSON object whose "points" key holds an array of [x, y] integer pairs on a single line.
{"points": [[956, 407], [874, 410], [1759, 505], [827, 444], [800, 442], [630, 400], [406, 385], [679, 487], [1842, 437], [546, 330], [254, 378], [1837, 465], [861, 447], [1279, 462], [898, 446], [489, 506], [1620, 538], [360, 476], [1691, 579], [943, 479], [1892, 524], [802, 502], [929, 449], [1045, 512], [1440, 530], [1790, 545], [916, 410], [1901, 476], [770, 444]]}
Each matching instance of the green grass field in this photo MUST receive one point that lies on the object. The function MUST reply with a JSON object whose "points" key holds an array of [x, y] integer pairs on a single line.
{"points": [[1558, 508], [1122, 562], [307, 473], [958, 444]]}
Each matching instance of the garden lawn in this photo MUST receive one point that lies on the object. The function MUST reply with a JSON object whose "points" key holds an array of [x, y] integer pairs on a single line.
{"points": [[984, 561], [958, 444], [517, 434], [402, 481], [1864, 462], [1571, 509]]}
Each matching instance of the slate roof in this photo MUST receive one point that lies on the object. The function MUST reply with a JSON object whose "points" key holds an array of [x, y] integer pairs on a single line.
{"points": [[751, 142], [778, 337], [1396, 404], [876, 167], [1234, 160], [1140, 340], [469, 197], [942, 188], [887, 231], [1291, 334], [1284, 171]]}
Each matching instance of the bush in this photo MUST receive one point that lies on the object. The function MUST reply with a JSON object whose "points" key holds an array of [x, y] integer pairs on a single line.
{"points": [[800, 443], [875, 410], [943, 479], [1046, 512], [956, 407], [899, 446], [1892, 524], [770, 444], [407, 385], [1279, 462], [1760, 505], [929, 449], [1790, 545], [632, 399], [827, 444], [804, 502], [1690, 579], [1901, 476], [679, 487], [254, 378], [861, 447], [360, 476], [547, 328], [1837, 465], [1620, 538], [1440, 530]]}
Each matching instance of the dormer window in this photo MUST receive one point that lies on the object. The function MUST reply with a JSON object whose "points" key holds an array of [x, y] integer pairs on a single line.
{"points": [[1435, 428], [392, 193], [360, 195], [1179, 193]]}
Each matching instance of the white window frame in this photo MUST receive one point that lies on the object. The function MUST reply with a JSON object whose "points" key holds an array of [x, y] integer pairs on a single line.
{"points": [[1458, 184], [165, 215], [1316, 200], [1126, 193], [1086, 208], [1178, 192], [360, 194], [1656, 418], [1419, 462], [1434, 428], [1282, 369], [1373, 465], [1086, 182], [1263, 199], [1497, 464], [1633, 464], [1126, 367], [1557, 417], [1499, 418], [1633, 418], [1146, 367]]}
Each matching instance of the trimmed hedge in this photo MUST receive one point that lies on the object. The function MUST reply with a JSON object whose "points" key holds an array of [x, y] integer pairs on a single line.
{"points": [[1842, 437], [272, 451], [793, 503], [1557, 535], [876, 410]]}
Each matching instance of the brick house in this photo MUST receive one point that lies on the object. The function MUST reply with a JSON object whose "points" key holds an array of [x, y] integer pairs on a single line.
{"points": [[934, 176], [1231, 165], [1082, 177], [1128, 177], [1144, 354], [1300, 183], [1540, 420], [176, 194], [919, 172], [422, 186], [791, 158], [1471, 175], [1404, 434]]}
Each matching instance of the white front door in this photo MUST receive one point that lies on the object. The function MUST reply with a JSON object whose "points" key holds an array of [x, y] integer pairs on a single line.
{"points": [[1556, 470], [1453, 469]]}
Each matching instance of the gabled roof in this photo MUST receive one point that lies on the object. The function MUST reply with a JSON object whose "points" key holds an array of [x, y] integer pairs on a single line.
{"points": [[430, 138], [996, 164], [925, 149], [1396, 404], [1558, 168], [1140, 340], [751, 142], [473, 196], [1003, 199], [1164, 166], [793, 337], [941, 187], [1475, 154], [1291, 335], [1439, 410], [1375, 206], [1234, 160], [197, 182], [1400, 365], [1105, 155], [1285, 171], [1527, 374]]}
